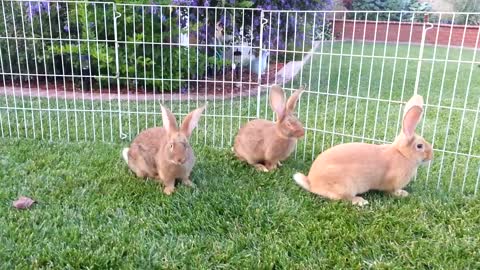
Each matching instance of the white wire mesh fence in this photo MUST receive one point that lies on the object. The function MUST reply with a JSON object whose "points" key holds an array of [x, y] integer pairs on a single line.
{"points": [[98, 70]]}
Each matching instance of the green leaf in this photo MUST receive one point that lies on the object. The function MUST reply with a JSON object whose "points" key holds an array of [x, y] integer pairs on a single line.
{"points": [[245, 4]]}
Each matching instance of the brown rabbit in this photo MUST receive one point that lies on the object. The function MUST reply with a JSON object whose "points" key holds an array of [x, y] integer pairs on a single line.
{"points": [[264, 143], [346, 170], [164, 153]]}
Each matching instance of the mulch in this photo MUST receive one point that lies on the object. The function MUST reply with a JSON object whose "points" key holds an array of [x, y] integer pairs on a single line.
{"points": [[220, 86]]}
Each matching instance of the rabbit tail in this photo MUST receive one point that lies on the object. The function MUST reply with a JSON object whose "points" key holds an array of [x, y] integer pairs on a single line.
{"points": [[302, 181], [125, 154]]}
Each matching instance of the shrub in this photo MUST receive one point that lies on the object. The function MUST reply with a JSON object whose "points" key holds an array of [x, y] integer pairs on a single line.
{"points": [[467, 6], [78, 40], [282, 29], [399, 9], [21, 50]]}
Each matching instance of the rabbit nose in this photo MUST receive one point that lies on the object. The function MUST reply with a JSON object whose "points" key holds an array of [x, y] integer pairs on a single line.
{"points": [[429, 155], [180, 160], [300, 133]]}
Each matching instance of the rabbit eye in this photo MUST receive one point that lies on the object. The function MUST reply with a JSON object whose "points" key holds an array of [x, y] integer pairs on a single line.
{"points": [[419, 146]]}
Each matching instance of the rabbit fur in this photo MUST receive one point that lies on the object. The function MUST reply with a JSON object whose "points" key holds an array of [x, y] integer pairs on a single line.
{"points": [[264, 144], [346, 170], [164, 153]]}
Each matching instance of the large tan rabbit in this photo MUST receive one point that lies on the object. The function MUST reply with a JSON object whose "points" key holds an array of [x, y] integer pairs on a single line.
{"points": [[264, 144], [164, 153], [346, 170]]}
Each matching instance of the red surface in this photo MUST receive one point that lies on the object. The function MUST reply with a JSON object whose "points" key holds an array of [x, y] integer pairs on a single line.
{"points": [[393, 32]]}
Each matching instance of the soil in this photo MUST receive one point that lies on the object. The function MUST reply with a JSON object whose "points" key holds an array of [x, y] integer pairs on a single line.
{"points": [[214, 87]]}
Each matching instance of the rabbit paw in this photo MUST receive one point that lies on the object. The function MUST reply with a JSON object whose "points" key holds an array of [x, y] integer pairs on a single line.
{"points": [[271, 165], [168, 190], [188, 183], [400, 193], [261, 167], [279, 164], [359, 201]]}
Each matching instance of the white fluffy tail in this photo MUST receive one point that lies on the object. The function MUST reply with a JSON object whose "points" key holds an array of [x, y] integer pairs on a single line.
{"points": [[302, 181], [125, 154]]}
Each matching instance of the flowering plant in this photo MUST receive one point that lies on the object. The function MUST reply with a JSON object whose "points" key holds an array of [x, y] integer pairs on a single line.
{"points": [[150, 45]]}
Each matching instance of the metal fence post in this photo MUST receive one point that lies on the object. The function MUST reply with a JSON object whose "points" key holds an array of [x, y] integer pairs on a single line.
{"points": [[117, 15], [259, 90]]}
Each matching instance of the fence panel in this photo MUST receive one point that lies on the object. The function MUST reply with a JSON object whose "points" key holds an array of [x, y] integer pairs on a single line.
{"points": [[76, 70], [185, 57], [57, 66], [359, 68]]}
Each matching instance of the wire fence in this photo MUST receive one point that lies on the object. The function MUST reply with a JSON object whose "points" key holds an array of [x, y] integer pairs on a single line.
{"points": [[97, 71]]}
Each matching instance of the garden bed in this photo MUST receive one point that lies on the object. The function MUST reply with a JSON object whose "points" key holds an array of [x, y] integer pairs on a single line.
{"points": [[219, 86]]}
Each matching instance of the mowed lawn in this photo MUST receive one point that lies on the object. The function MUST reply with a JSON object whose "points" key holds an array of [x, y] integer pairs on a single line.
{"points": [[93, 213]]}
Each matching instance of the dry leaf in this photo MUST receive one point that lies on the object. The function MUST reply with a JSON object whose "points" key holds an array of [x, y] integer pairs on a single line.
{"points": [[23, 203]]}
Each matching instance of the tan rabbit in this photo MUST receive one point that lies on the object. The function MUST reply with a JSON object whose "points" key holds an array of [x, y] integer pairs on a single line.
{"points": [[164, 153], [264, 144], [346, 170]]}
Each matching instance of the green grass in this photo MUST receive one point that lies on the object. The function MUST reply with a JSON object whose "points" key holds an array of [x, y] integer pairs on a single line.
{"points": [[93, 213], [349, 98]]}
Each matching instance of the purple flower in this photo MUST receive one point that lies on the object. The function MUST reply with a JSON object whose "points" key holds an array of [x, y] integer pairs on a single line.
{"points": [[91, 24], [66, 28], [35, 8], [202, 34], [163, 18], [32, 9], [225, 20], [177, 2], [183, 18], [45, 6], [153, 10], [206, 3]]}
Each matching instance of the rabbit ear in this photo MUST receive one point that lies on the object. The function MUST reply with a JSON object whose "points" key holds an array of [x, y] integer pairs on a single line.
{"points": [[277, 101], [169, 122], [191, 121], [292, 100], [412, 115]]}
